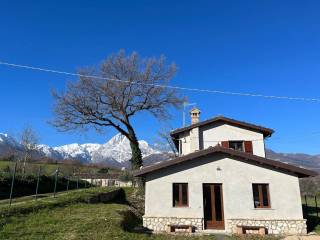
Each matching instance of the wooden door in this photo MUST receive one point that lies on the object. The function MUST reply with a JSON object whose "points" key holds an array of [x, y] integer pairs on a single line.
{"points": [[213, 206]]}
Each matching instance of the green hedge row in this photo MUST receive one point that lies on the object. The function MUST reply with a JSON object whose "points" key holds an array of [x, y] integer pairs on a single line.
{"points": [[26, 185]]}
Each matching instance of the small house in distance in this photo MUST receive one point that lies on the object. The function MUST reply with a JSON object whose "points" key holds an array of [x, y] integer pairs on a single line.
{"points": [[105, 180], [222, 182]]}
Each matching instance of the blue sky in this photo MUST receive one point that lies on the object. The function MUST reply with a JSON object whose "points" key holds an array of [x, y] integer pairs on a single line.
{"points": [[267, 47]]}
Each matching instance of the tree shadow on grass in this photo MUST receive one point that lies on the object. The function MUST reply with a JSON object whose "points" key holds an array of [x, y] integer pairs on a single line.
{"points": [[116, 196], [310, 213], [132, 223], [131, 219]]}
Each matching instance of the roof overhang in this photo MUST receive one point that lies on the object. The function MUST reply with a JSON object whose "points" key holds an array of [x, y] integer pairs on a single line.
{"points": [[246, 157], [267, 132]]}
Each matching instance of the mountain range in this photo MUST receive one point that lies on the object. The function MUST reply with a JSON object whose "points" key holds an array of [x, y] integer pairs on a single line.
{"points": [[116, 153]]}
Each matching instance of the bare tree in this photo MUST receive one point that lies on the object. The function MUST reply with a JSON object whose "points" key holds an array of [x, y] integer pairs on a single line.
{"points": [[110, 95], [29, 141]]}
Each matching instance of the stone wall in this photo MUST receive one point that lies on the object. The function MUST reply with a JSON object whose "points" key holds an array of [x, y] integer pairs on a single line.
{"points": [[159, 224], [283, 227]]}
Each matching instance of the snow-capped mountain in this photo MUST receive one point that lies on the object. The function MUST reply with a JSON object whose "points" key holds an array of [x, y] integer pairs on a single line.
{"points": [[116, 152], [118, 149], [8, 145], [82, 152]]}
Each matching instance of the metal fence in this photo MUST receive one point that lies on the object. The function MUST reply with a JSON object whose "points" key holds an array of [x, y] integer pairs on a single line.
{"points": [[39, 182]]}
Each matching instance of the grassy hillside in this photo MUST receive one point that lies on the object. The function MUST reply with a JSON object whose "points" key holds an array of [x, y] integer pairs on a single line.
{"points": [[70, 216], [49, 168], [25, 184], [26, 205]]}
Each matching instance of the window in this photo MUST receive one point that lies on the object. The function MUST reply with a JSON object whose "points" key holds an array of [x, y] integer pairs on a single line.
{"points": [[261, 197], [236, 145], [180, 194], [243, 146]]}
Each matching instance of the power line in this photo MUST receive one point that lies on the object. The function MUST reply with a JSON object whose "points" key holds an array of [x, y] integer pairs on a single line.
{"points": [[165, 86]]}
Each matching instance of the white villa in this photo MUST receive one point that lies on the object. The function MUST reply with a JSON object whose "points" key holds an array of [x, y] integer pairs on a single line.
{"points": [[222, 182]]}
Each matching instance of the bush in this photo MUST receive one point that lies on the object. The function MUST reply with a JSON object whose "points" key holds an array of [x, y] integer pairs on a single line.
{"points": [[103, 170], [126, 176]]}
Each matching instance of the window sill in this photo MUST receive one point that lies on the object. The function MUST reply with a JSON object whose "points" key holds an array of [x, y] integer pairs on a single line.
{"points": [[263, 209]]}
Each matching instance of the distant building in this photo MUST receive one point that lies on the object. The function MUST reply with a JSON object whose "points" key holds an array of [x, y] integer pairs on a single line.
{"points": [[105, 180], [222, 182]]}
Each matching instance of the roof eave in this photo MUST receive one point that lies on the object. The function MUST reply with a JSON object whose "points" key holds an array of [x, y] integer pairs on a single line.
{"points": [[299, 172], [267, 132]]}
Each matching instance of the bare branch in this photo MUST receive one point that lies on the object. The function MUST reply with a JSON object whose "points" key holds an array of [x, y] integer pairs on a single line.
{"points": [[100, 103]]}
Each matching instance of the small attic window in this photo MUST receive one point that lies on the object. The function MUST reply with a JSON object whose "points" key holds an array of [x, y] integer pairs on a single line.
{"points": [[243, 146], [236, 145]]}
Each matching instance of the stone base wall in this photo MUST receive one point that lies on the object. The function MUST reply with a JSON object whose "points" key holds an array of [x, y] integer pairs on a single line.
{"points": [[159, 224], [282, 227]]}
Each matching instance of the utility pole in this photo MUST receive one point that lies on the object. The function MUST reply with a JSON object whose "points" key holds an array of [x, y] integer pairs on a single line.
{"points": [[185, 105]]}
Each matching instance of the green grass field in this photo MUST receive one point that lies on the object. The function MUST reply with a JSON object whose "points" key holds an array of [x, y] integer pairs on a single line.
{"points": [[69, 216], [46, 167]]}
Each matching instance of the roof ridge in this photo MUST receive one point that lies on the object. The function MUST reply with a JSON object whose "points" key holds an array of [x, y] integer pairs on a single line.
{"points": [[266, 131]]}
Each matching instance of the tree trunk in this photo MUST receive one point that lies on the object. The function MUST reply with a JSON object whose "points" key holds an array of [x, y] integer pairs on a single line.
{"points": [[24, 164], [136, 159]]}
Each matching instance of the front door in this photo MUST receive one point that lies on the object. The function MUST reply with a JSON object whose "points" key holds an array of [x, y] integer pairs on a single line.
{"points": [[213, 206]]}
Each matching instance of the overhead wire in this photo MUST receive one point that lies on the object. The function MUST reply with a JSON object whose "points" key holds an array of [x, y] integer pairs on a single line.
{"points": [[214, 91]]}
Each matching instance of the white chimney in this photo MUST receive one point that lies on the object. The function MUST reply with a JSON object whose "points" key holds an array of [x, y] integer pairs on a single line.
{"points": [[195, 115]]}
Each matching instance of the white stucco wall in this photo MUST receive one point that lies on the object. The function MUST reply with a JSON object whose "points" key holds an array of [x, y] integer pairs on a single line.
{"points": [[185, 142], [213, 134], [236, 178], [194, 139]]}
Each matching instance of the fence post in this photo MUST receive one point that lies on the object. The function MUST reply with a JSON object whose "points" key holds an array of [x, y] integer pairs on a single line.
{"points": [[68, 178], [306, 205], [78, 181], [55, 182], [315, 199], [305, 199], [38, 179], [12, 183]]}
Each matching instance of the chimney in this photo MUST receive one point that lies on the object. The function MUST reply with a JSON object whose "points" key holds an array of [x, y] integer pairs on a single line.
{"points": [[195, 114]]}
